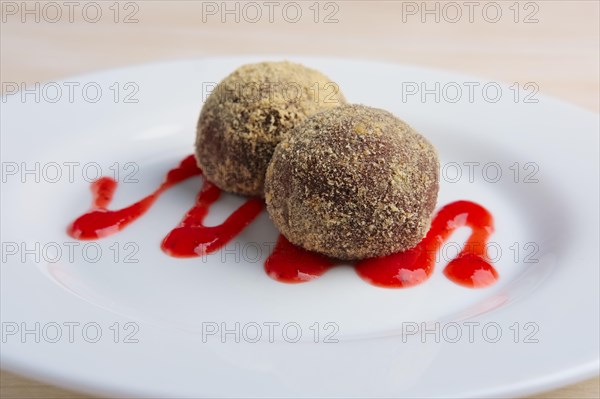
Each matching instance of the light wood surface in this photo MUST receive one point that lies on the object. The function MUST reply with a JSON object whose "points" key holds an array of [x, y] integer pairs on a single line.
{"points": [[559, 52]]}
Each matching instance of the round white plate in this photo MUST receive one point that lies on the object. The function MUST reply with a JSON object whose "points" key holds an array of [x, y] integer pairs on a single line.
{"points": [[120, 317]]}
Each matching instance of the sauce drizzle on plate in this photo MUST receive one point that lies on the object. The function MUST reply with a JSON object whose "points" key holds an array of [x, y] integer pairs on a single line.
{"points": [[289, 263]]}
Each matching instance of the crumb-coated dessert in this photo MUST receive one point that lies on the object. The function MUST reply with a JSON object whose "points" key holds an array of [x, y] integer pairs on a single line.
{"points": [[353, 182], [247, 114]]}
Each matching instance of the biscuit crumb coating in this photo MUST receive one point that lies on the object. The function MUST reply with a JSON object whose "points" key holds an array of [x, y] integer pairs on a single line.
{"points": [[249, 112], [353, 182]]}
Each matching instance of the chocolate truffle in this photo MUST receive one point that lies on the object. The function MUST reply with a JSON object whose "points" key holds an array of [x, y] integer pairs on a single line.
{"points": [[248, 113], [353, 182]]}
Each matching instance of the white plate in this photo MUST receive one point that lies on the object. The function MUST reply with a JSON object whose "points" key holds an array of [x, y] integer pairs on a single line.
{"points": [[554, 221]]}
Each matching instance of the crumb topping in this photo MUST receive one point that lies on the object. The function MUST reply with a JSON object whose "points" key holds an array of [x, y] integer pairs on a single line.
{"points": [[247, 115], [353, 182]]}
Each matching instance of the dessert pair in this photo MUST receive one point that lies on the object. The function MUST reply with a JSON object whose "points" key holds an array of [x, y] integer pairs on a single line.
{"points": [[347, 181]]}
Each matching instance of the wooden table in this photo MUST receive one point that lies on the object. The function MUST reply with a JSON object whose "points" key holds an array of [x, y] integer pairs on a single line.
{"points": [[554, 44]]}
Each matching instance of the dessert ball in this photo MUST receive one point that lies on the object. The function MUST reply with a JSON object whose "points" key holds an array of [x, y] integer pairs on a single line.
{"points": [[353, 182], [248, 113]]}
